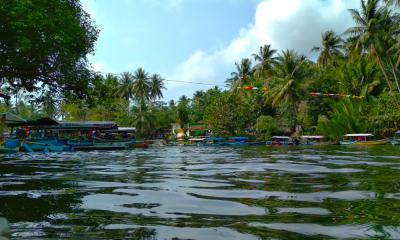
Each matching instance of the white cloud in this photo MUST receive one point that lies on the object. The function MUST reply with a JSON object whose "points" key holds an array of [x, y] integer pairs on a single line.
{"points": [[101, 67], [285, 24]]}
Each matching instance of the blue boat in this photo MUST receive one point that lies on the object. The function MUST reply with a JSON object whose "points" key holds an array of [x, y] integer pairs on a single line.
{"points": [[237, 141], [214, 141], [45, 145], [10, 146]]}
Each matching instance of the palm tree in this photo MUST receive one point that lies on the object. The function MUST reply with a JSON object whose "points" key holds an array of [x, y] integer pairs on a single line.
{"points": [[143, 120], [242, 75], [141, 85], [360, 78], [125, 86], [156, 86], [372, 25], [332, 45], [183, 110], [265, 58], [289, 73], [393, 2]]}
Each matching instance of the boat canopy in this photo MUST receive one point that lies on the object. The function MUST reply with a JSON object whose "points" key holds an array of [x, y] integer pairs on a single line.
{"points": [[122, 130], [280, 137], [39, 123], [312, 137], [359, 135], [9, 118], [88, 125]]}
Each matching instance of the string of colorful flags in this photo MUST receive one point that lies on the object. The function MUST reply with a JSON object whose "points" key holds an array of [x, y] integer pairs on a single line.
{"points": [[249, 88], [312, 94]]}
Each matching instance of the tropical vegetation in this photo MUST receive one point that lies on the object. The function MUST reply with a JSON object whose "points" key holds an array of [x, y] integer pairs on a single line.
{"points": [[268, 93]]}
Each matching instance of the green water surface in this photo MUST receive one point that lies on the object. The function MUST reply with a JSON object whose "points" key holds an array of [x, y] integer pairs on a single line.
{"points": [[204, 193]]}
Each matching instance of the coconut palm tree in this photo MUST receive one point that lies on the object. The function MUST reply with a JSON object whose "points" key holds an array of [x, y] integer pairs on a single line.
{"points": [[359, 78], [156, 86], [289, 74], [242, 75], [143, 120], [141, 85], [125, 86], [331, 48], [371, 31], [265, 58], [393, 2]]}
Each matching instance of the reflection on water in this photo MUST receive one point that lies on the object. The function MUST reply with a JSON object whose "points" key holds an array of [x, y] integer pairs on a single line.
{"points": [[204, 193]]}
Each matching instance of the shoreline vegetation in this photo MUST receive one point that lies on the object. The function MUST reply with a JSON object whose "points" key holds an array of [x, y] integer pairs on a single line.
{"points": [[268, 94]]}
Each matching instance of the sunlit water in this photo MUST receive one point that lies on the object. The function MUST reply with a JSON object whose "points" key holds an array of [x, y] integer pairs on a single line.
{"points": [[204, 193]]}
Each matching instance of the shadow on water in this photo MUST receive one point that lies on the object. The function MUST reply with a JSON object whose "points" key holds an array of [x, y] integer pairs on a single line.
{"points": [[204, 193]]}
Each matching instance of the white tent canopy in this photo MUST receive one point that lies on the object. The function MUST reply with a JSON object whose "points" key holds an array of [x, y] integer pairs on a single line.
{"points": [[359, 135], [281, 137], [312, 137]]}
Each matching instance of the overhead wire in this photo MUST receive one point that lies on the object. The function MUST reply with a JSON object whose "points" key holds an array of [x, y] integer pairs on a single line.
{"points": [[170, 80]]}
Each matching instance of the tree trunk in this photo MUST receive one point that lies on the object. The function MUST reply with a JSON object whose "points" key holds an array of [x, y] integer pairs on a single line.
{"points": [[394, 74], [382, 68]]}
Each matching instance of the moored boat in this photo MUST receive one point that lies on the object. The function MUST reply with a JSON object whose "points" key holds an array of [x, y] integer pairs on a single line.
{"points": [[44, 145], [312, 140], [143, 144], [362, 139], [236, 141], [280, 141], [10, 146], [396, 139]]}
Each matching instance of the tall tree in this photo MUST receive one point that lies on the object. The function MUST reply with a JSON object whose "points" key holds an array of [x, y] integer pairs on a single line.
{"points": [[265, 58], [289, 75], [374, 25], [43, 45], [156, 86], [141, 85], [183, 110], [242, 75], [125, 86], [330, 49]]}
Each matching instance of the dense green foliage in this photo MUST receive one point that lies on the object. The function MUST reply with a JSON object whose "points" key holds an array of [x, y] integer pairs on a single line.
{"points": [[43, 47], [363, 61]]}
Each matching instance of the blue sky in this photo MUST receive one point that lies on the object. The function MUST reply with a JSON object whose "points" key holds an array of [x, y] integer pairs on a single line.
{"points": [[199, 40]]}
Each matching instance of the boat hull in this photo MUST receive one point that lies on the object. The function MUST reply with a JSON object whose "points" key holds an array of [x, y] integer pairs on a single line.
{"points": [[395, 142], [106, 146], [364, 143], [371, 143]]}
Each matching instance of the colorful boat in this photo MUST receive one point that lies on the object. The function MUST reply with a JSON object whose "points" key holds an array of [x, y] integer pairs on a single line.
{"points": [[10, 146], [396, 139], [280, 141], [45, 145], [361, 139], [236, 141], [139, 145]]}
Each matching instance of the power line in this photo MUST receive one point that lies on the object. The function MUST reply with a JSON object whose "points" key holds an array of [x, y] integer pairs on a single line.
{"points": [[199, 83], [171, 80]]}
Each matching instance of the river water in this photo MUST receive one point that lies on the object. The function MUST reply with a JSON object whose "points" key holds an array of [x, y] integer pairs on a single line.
{"points": [[204, 193]]}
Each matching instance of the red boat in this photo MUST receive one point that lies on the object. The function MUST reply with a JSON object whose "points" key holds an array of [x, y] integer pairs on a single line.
{"points": [[139, 145]]}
